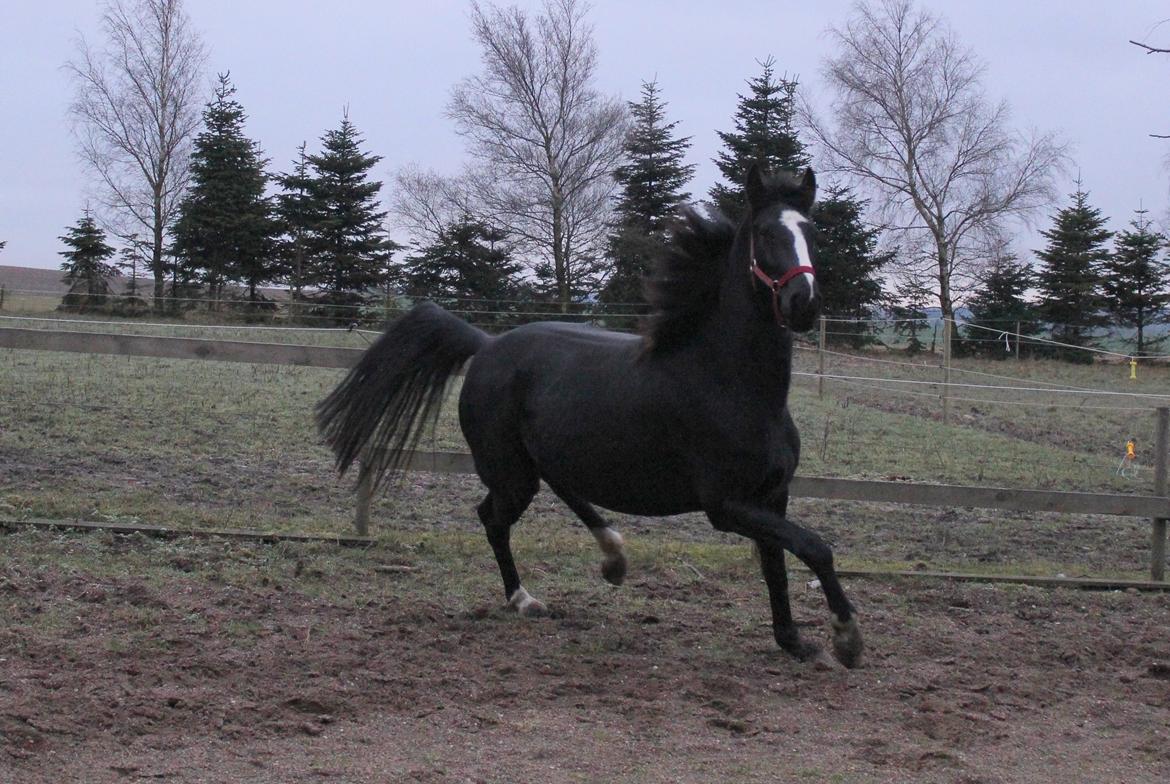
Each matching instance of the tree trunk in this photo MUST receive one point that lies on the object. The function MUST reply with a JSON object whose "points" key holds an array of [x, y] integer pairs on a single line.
{"points": [[156, 253], [944, 290], [560, 262]]}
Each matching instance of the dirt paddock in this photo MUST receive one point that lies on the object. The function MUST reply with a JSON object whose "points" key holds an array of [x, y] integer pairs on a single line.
{"points": [[125, 659]]}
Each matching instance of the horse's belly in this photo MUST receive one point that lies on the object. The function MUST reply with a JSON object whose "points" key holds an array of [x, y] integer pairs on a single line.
{"points": [[648, 484]]}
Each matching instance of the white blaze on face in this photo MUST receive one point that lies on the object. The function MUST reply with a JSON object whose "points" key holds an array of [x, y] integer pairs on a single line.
{"points": [[793, 220]]}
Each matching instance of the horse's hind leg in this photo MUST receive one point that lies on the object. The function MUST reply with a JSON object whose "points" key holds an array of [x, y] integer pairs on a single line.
{"points": [[613, 565], [498, 512]]}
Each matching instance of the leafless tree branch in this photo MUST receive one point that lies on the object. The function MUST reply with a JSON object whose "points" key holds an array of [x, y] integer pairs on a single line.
{"points": [[912, 125], [135, 111], [1150, 49], [545, 141]]}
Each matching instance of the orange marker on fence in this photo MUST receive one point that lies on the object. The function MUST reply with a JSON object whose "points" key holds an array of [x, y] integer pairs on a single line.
{"points": [[1129, 460]]}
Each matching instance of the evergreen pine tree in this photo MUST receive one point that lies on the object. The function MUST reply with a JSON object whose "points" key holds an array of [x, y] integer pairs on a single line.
{"points": [[134, 259], [468, 261], [651, 182], [999, 304], [910, 312], [847, 264], [348, 247], [297, 216], [133, 262], [1137, 280], [764, 132], [86, 265], [225, 231], [1069, 279]]}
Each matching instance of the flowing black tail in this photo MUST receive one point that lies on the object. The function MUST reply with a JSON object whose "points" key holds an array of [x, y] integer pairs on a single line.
{"points": [[381, 408]]}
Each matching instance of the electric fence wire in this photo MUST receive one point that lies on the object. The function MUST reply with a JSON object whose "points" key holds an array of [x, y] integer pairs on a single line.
{"points": [[956, 369], [960, 385], [858, 383]]}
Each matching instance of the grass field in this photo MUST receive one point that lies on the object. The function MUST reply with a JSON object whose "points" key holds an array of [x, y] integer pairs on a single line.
{"points": [[190, 443]]}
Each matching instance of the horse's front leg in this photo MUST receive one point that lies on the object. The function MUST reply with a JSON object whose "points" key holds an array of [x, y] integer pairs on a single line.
{"points": [[775, 533], [783, 627]]}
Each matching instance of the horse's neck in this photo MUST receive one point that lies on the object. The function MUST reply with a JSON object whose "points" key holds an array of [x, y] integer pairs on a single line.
{"points": [[754, 353]]}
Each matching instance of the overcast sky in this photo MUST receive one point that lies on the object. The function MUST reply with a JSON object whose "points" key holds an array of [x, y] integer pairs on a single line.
{"points": [[1063, 65]]}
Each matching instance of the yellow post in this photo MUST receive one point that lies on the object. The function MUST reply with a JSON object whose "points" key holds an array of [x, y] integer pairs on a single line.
{"points": [[1132, 369]]}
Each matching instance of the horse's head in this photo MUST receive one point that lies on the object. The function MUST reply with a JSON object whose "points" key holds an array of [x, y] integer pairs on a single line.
{"points": [[780, 247]]}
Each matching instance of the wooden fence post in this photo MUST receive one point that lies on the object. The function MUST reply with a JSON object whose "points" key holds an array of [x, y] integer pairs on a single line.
{"points": [[821, 360], [1017, 341], [946, 391], [361, 520], [1158, 526]]}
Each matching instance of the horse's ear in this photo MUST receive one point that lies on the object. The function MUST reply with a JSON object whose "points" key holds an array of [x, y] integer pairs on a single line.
{"points": [[808, 190], [754, 186]]}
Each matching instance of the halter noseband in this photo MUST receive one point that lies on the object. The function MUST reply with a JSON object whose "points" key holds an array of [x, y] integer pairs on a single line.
{"points": [[775, 284]]}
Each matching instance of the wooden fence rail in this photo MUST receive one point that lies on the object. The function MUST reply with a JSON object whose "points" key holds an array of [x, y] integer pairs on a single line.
{"points": [[1155, 507], [179, 348], [832, 488]]}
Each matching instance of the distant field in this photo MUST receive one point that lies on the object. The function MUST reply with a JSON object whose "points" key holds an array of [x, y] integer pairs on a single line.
{"points": [[35, 291], [46, 281]]}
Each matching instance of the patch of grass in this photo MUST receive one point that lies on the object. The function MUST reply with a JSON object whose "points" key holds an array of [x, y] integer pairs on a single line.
{"points": [[207, 444]]}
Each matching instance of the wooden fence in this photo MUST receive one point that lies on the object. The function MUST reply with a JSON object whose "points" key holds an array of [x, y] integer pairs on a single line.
{"points": [[1156, 507]]}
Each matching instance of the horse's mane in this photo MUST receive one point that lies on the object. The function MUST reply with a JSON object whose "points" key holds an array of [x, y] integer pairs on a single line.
{"points": [[683, 287]]}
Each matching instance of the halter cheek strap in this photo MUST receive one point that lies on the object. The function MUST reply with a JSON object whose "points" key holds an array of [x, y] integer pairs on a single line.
{"points": [[775, 284]]}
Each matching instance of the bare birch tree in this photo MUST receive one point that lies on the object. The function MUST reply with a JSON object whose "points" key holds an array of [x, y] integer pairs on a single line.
{"points": [[911, 124], [545, 141], [136, 109], [426, 203], [1154, 50]]}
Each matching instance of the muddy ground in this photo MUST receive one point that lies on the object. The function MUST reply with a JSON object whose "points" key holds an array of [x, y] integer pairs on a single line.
{"points": [[128, 659]]}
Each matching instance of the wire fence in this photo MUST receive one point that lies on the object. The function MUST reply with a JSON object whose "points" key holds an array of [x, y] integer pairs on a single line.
{"points": [[887, 333]]}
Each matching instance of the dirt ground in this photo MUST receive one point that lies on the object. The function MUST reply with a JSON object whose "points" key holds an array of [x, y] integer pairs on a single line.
{"points": [[125, 659]]}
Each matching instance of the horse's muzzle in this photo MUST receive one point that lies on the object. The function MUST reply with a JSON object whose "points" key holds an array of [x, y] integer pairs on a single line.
{"points": [[800, 304]]}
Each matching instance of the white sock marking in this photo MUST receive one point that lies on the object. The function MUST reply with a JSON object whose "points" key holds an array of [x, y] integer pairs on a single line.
{"points": [[521, 600], [609, 540]]}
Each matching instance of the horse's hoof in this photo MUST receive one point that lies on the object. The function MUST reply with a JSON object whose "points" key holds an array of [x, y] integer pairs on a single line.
{"points": [[613, 569], [799, 648], [525, 606], [847, 643], [534, 609], [825, 663]]}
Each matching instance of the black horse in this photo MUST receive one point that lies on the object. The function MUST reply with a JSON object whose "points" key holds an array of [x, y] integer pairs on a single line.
{"points": [[691, 416]]}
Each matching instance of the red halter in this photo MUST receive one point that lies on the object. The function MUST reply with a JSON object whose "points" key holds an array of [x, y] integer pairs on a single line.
{"points": [[775, 284]]}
